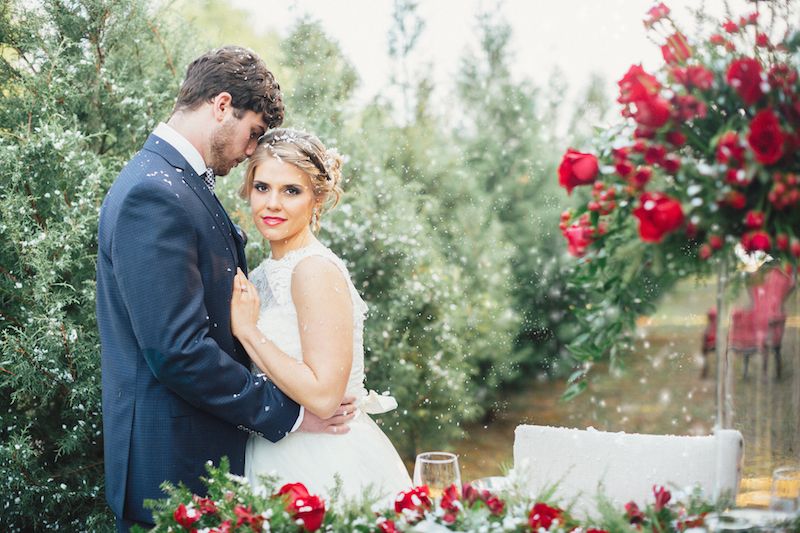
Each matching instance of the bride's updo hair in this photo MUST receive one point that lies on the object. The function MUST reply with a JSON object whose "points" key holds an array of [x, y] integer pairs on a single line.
{"points": [[306, 152]]}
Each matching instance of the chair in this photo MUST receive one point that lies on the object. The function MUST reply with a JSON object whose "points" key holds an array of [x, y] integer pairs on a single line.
{"points": [[760, 326], [623, 466]]}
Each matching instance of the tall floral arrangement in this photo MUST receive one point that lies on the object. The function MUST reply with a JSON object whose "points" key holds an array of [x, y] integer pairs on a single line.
{"points": [[705, 159]]}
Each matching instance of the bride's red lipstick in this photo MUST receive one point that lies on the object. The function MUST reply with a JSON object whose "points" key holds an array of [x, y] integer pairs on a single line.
{"points": [[273, 221]]}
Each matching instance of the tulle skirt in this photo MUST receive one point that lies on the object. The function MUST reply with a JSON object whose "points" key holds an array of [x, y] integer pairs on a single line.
{"points": [[363, 458]]}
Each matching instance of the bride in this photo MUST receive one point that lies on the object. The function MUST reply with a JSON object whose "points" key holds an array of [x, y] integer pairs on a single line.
{"points": [[301, 321]]}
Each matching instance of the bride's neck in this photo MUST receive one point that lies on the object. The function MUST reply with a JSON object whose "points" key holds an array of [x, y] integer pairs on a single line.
{"points": [[282, 247]]}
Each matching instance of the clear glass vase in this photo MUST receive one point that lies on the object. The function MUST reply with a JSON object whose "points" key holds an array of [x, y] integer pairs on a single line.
{"points": [[758, 368]]}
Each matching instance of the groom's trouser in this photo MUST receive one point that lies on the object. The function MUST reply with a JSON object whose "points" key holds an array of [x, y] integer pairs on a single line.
{"points": [[124, 525]]}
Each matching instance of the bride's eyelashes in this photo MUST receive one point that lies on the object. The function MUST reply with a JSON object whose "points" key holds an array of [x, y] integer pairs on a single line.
{"points": [[291, 190]]}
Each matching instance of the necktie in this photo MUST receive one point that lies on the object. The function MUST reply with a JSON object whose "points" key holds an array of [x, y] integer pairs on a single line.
{"points": [[209, 179]]}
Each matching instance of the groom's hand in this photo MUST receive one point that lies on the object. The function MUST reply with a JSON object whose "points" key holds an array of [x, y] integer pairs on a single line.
{"points": [[335, 425]]}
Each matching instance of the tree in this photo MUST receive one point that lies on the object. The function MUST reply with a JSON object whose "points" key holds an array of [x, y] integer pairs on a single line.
{"points": [[77, 97]]}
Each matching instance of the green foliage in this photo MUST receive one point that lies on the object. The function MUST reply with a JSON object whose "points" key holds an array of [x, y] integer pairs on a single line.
{"points": [[79, 97]]}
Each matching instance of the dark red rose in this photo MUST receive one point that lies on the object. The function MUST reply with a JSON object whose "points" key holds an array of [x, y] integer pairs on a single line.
{"points": [[577, 169], [186, 517], [624, 168], [762, 40], [695, 76], [662, 497], [655, 154], [766, 138], [754, 219], [744, 75], [730, 150], [688, 107], [387, 526], [593, 530], [671, 164], [414, 499], [658, 215], [542, 515], [310, 510], [676, 138], [782, 242], [735, 199], [676, 50], [633, 513], [715, 241], [637, 85]]}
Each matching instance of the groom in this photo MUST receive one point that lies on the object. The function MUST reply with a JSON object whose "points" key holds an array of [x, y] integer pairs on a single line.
{"points": [[177, 389]]}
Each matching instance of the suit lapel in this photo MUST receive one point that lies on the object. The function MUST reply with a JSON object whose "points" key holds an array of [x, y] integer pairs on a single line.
{"points": [[195, 183]]}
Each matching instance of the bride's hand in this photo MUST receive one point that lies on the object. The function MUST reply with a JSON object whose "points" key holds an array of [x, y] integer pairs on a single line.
{"points": [[244, 304]]}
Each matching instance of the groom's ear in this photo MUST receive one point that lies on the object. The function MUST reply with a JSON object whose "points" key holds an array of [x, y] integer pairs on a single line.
{"points": [[222, 105]]}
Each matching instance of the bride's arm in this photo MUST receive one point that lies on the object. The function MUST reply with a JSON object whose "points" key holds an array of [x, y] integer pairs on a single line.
{"points": [[325, 321]]}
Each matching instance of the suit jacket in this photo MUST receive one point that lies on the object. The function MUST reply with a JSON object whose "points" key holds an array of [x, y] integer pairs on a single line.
{"points": [[177, 389]]}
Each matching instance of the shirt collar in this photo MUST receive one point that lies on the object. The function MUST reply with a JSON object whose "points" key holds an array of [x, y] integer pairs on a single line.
{"points": [[182, 145]]}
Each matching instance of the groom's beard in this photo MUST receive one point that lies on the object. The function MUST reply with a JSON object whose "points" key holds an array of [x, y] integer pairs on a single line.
{"points": [[219, 162]]}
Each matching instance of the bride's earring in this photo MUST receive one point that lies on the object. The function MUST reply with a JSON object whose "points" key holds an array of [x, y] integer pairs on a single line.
{"points": [[314, 219]]}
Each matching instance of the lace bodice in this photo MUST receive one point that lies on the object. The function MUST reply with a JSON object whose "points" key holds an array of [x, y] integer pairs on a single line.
{"points": [[278, 316]]}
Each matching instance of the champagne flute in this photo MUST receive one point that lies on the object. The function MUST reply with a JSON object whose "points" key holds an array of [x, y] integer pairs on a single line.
{"points": [[437, 470], [785, 494]]}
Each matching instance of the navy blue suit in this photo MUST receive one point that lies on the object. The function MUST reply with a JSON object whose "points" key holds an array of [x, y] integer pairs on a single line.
{"points": [[177, 390]]}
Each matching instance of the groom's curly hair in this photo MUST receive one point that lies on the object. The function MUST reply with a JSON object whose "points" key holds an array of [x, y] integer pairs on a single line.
{"points": [[238, 71]]}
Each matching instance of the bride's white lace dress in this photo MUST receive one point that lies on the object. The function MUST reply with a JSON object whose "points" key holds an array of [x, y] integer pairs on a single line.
{"points": [[364, 456]]}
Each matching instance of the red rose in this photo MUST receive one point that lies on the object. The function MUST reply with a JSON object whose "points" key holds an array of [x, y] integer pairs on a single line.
{"points": [[386, 526], [310, 510], [688, 107], [224, 527], [662, 497], [782, 242], [656, 13], [762, 40], [705, 252], [303, 506], [655, 154], [245, 516], [624, 168], [671, 164], [449, 499], [694, 76], [717, 39], [756, 240], [579, 237], [765, 137], [186, 516], [495, 505], [206, 505], [652, 112], [414, 499], [730, 150], [754, 219], [593, 530], [642, 176], [730, 26], [658, 215], [637, 85], [542, 515], [676, 50], [715, 241], [744, 75], [576, 169]]}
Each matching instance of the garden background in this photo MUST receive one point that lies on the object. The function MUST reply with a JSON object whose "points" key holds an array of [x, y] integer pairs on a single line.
{"points": [[449, 224]]}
